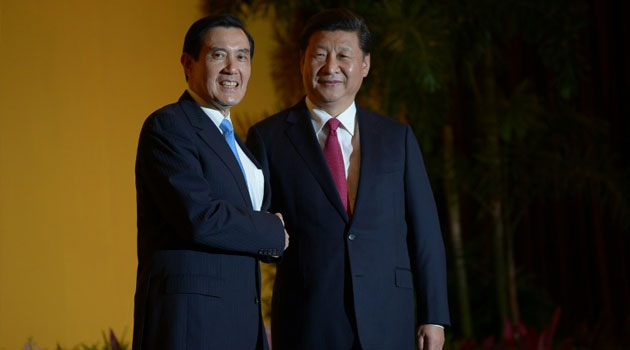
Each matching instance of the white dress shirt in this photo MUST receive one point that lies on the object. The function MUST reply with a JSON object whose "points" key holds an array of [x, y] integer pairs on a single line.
{"points": [[255, 178], [348, 136]]}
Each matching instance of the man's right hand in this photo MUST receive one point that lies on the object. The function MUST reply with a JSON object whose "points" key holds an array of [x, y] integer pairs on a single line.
{"points": [[286, 235]]}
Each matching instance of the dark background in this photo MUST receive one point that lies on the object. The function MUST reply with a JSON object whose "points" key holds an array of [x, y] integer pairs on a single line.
{"points": [[521, 110]]}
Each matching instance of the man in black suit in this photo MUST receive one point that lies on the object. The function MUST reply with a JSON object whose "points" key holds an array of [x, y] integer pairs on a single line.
{"points": [[199, 196], [366, 267]]}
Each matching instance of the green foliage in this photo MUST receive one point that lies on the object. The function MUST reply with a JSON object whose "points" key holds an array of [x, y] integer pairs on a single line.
{"points": [[110, 342], [31, 344]]}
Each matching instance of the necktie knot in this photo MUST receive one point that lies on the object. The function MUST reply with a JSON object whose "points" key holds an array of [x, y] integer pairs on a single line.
{"points": [[226, 126], [333, 124]]}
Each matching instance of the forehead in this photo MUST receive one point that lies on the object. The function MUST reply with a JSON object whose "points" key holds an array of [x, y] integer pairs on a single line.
{"points": [[335, 38], [226, 37]]}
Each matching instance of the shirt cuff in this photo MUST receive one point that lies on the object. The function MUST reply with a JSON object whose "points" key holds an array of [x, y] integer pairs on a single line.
{"points": [[436, 325]]}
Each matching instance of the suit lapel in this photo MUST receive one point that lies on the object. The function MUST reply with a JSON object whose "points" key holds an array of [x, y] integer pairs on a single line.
{"points": [[371, 156], [210, 134], [303, 138]]}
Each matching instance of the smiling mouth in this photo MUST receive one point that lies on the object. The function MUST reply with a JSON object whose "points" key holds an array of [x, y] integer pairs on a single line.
{"points": [[229, 84], [329, 82]]}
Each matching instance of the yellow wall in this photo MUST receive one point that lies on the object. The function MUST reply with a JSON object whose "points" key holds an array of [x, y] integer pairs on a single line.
{"points": [[77, 79]]}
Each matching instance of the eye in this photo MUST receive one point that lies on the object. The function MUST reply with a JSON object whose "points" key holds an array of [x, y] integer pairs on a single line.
{"points": [[218, 55], [243, 58]]}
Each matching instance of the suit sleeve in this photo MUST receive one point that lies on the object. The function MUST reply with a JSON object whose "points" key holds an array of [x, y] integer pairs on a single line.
{"points": [[425, 239], [256, 146], [169, 168]]}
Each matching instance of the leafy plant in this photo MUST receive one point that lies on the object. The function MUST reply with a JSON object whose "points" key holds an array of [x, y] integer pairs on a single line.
{"points": [[110, 342]]}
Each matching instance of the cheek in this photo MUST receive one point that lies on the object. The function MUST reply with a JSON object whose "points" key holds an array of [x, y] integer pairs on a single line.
{"points": [[313, 69], [211, 71], [307, 72], [351, 68], [247, 73], [244, 84]]}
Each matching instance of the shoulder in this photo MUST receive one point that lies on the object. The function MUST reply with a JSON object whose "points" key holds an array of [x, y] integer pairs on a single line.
{"points": [[169, 117], [273, 120], [282, 119], [380, 123]]}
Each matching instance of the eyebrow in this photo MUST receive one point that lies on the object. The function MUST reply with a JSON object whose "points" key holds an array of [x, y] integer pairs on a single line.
{"points": [[341, 47], [215, 49]]}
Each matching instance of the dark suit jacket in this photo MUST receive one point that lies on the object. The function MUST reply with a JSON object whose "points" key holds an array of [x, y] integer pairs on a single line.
{"points": [[370, 279], [199, 240]]}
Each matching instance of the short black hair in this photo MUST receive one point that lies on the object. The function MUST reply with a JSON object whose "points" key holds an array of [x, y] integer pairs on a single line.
{"points": [[337, 19], [197, 32]]}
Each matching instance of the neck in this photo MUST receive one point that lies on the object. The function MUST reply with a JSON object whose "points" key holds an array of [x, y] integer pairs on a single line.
{"points": [[206, 102], [333, 109]]}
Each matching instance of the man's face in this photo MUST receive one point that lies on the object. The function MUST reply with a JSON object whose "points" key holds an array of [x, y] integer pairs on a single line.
{"points": [[221, 72], [333, 67]]}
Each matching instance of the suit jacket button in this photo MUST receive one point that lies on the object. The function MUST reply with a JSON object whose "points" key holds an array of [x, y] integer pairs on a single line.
{"points": [[352, 236], [256, 300]]}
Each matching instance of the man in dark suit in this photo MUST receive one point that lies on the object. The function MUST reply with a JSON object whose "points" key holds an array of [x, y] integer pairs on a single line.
{"points": [[199, 195], [366, 267]]}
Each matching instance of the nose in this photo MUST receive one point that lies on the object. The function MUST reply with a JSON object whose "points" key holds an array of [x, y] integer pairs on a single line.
{"points": [[230, 65], [331, 66]]}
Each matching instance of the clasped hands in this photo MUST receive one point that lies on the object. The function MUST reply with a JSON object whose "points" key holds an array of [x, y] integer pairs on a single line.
{"points": [[286, 235]]}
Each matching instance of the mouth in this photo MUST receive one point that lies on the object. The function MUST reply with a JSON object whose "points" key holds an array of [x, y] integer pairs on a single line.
{"points": [[329, 82], [229, 84]]}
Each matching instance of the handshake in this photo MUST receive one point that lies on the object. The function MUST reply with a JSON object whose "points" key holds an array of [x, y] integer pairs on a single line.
{"points": [[286, 235]]}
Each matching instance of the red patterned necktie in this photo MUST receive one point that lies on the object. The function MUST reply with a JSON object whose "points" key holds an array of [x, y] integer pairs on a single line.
{"points": [[334, 158]]}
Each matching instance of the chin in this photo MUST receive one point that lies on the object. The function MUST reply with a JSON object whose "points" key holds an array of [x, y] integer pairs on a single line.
{"points": [[231, 101], [328, 97], [329, 100]]}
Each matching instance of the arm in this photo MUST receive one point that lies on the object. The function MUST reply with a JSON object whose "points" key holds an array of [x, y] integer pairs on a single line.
{"points": [[169, 172], [426, 247], [256, 146]]}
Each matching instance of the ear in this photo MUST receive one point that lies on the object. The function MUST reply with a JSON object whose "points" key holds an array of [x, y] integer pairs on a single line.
{"points": [[187, 62], [365, 65], [302, 57]]}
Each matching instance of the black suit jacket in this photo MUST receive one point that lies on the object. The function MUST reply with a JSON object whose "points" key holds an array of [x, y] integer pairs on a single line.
{"points": [[199, 240], [370, 279]]}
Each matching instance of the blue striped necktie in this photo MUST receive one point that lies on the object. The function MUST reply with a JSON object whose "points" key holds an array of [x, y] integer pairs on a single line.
{"points": [[228, 132]]}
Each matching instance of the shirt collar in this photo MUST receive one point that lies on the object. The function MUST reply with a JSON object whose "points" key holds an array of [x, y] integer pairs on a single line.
{"points": [[213, 114], [320, 117]]}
